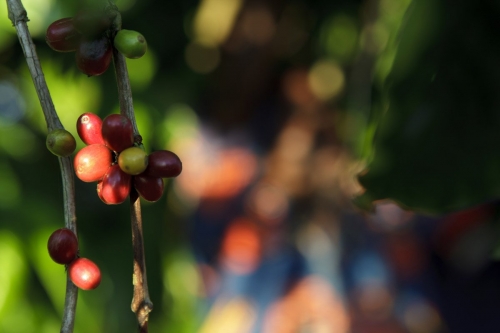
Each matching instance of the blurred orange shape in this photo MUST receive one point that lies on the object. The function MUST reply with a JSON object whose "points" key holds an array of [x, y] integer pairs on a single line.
{"points": [[218, 174], [241, 247], [312, 306]]}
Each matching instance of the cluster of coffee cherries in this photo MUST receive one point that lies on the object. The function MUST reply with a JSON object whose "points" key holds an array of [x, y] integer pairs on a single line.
{"points": [[90, 36], [63, 249], [113, 160]]}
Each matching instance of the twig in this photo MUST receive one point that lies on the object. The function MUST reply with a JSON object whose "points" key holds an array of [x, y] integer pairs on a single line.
{"points": [[71, 299], [141, 303], [19, 18]]}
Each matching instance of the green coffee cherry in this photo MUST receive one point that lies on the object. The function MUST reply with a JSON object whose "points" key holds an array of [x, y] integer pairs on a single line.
{"points": [[60, 142], [130, 43]]}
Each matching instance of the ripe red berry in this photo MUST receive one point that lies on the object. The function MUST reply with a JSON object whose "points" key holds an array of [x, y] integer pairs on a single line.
{"points": [[93, 56], [63, 246], [92, 162], [117, 132], [163, 164], [89, 127], [149, 188], [115, 186], [62, 36], [84, 273]]}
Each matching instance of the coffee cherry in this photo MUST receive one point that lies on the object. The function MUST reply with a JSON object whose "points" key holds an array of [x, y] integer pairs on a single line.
{"points": [[117, 132], [93, 56], [89, 127], [91, 23], [149, 188], [84, 273], [130, 43], [115, 186], [60, 142], [92, 162], [133, 160], [99, 192], [62, 36], [163, 164], [63, 246]]}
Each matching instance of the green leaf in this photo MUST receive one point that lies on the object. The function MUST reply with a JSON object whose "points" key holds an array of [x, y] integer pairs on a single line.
{"points": [[437, 144]]}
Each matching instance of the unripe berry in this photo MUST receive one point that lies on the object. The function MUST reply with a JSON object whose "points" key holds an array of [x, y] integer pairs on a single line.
{"points": [[60, 142], [133, 160], [130, 43]]}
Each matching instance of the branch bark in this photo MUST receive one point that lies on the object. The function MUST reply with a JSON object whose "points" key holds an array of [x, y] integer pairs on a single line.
{"points": [[141, 302], [19, 18]]}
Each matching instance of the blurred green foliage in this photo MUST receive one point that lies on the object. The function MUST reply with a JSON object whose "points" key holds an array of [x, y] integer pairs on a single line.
{"points": [[438, 112]]}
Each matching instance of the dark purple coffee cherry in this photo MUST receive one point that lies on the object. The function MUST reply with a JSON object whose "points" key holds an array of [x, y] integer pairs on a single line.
{"points": [[93, 56], [62, 36], [63, 246]]}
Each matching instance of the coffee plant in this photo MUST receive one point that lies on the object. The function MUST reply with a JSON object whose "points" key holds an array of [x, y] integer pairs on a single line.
{"points": [[114, 155]]}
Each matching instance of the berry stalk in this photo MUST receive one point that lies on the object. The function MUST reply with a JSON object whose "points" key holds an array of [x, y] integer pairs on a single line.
{"points": [[141, 302], [19, 18]]}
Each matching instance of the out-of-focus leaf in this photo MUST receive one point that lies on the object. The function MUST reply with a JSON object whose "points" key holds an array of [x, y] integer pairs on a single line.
{"points": [[437, 145]]}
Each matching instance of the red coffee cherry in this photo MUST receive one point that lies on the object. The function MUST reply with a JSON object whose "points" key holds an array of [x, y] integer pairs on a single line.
{"points": [[92, 162], [63, 246], [149, 188], [93, 56], [163, 164], [115, 186], [117, 132], [84, 273], [62, 36], [89, 127]]}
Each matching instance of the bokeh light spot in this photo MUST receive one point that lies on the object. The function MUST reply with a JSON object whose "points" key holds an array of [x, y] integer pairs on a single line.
{"points": [[339, 36], [141, 71], [241, 247], [202, 58], [38, 10], [326, 79], [12, 106], [19, 142], [179, 125], [230, 316], [269, 203], [214, 20], [12, 274], [258, 25], [10, 187]]}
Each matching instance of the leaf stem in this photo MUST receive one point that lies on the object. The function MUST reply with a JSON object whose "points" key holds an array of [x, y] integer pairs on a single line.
{"points": [[19, 18], [141, 302]]}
